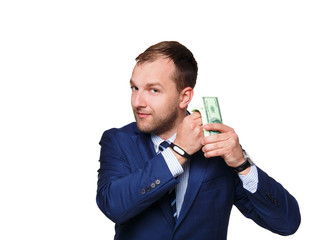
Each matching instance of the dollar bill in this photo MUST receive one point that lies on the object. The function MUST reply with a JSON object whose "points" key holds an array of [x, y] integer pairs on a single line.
{"points": [[210, 113]]}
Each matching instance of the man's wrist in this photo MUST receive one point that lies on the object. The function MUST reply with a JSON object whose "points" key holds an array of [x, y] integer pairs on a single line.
{"points": [[244, 167], [245, 172], [181, 155], [182, 160]]}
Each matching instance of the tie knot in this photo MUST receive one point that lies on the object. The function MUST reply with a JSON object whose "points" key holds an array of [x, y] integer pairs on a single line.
{"points": [[163, 145]]}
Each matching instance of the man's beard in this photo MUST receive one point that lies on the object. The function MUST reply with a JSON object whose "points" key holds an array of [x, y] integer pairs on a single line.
{"points": [[159, 124]]}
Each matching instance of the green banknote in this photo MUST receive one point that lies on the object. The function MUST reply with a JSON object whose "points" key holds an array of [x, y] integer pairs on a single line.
{"points": [[210, 113]]}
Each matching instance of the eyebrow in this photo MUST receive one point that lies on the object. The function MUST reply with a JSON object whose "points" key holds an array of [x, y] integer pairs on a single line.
{"points": [[152, 84]]}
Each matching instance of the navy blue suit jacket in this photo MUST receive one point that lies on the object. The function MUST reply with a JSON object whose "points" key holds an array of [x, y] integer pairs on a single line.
{"points": [[133, 186]]}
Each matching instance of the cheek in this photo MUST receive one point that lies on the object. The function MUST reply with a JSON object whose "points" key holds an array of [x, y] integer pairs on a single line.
{"points": [[162, 103], [173, 101], [157, 102]]}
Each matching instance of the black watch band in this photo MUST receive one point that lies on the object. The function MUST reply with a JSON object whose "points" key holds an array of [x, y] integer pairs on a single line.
{"points": [[180, 151], [243, 166]]}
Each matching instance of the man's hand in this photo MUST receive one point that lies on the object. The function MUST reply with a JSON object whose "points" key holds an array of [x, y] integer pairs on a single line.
{"points": [[226, 145], [190, 134]]}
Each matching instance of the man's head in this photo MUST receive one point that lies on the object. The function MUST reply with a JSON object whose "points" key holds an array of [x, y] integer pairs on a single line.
{"points": [[186, 68], [162, 86]]}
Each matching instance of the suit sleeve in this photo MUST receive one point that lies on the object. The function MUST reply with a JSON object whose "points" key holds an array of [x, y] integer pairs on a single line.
{"points": [[271, 206], [123, 190]]}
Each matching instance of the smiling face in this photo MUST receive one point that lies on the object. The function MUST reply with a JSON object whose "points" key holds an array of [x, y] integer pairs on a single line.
{"points": [[154, 98]]}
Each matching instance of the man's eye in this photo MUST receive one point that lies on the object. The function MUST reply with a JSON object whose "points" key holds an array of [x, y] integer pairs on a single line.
{"points": [[154, 90], [133, 88]]}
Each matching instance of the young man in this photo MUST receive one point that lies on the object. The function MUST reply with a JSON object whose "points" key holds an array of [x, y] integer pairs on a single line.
{"points": [[184, 187]]}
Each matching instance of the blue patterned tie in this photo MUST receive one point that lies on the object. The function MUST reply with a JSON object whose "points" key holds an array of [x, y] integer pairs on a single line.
{"points": [[172, 192], [163, 145]]}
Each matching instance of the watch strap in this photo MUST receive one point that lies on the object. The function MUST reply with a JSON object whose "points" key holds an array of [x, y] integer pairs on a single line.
{"points": [[180, 151], [243, 166]]}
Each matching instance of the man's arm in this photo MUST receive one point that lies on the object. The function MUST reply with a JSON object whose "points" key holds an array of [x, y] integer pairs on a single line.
{"points": [[271, 206], [125, 190]]}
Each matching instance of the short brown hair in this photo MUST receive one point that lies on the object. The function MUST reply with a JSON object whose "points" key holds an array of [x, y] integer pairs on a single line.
{"points": [[186, 67]]}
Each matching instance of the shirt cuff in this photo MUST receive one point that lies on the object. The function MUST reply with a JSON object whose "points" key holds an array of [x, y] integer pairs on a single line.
{"points": [[174, 166], [251, 180]]}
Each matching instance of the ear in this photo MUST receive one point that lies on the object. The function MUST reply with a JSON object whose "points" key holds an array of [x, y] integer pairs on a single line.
{"points": [[185, 97]]}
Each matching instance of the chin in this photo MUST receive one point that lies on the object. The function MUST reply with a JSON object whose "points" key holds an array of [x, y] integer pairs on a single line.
{"points": [[144, 129]]}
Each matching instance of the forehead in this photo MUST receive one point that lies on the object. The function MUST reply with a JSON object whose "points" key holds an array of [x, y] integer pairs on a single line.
{"points": [[161, 70]]}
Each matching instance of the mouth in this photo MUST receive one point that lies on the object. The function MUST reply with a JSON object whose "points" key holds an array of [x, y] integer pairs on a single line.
{"points": [[143, 115]]}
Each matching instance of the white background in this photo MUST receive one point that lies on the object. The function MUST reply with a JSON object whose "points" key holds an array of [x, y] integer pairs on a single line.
{"points": [[65, 68]]}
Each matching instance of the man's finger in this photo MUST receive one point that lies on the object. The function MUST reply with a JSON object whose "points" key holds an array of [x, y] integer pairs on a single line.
{"points": [[214, 146], [218, 127], [214, 153], [195, 115], [216, 138]]}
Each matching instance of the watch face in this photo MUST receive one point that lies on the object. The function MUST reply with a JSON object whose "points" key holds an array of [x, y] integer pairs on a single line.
{"points": [[247, 158], [179, 150]]}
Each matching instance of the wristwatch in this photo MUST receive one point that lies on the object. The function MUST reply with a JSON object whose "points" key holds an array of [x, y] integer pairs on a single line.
{"points": [[180, 151], [248, 162]]}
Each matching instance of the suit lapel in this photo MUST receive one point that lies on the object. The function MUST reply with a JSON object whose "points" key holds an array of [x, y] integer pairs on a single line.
{"points": [[167, 210], [197, 171]]}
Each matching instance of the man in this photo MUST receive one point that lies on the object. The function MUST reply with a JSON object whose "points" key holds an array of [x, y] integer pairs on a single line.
{"points": [[185, 190]]}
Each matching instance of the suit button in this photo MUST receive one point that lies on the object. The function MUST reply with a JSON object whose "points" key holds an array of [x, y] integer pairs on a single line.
{"points": [[143, 191], [153, 185], [157, 181]]}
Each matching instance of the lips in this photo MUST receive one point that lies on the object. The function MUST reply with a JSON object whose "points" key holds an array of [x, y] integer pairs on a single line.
{"points": [[143, 115]]}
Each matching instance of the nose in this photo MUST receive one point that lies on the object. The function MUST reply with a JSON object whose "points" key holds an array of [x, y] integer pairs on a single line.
{"points": [[138, 99]]}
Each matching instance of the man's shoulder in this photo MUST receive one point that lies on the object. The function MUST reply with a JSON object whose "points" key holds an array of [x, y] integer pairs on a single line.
{"points": [[129, 129]]}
